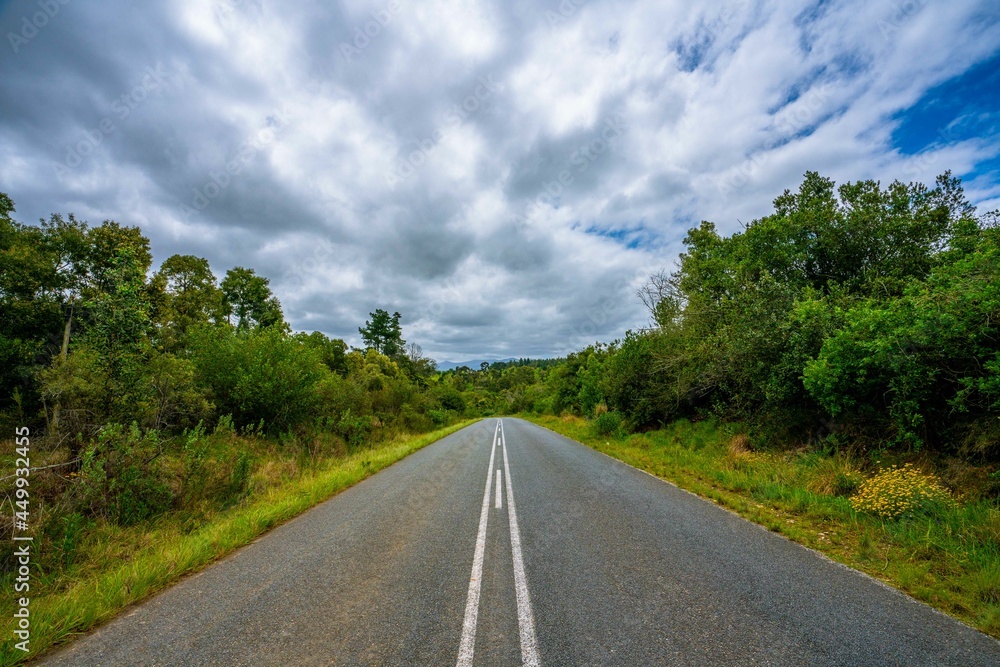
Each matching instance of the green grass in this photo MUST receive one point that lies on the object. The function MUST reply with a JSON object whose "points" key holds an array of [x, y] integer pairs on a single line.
{"points": [[127, 565], [950, 560]]}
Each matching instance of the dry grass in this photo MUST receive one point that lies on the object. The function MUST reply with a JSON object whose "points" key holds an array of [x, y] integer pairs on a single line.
{"points": [[739, 444], [273, 473]]}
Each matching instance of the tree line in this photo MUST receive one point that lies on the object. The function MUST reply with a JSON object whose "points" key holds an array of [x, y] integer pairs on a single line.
{"points": [[858, 316], [854, 316], [91, 336]]}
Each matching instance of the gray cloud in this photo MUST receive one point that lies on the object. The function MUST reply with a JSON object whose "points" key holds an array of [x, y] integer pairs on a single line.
{"points": [[453, 160]]}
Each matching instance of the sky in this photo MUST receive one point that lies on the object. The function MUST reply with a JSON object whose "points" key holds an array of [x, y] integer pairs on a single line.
{"points": [[505, 174]]}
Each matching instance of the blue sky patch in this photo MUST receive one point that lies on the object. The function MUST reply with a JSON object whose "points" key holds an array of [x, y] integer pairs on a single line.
{"points": [[962, 108]]}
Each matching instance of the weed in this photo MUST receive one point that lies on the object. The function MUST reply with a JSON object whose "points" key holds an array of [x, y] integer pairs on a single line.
{"points": [[899, 491]]}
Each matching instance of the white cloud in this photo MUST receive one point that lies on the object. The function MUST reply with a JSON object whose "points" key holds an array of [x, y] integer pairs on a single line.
{"points": [[719, 108]]}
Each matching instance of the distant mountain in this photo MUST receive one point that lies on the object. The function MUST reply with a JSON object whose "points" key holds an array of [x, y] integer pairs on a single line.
{"points": [[474, 364]]}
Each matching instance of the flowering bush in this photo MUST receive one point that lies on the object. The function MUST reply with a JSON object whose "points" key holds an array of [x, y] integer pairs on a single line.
{"points": [[895, 492]]}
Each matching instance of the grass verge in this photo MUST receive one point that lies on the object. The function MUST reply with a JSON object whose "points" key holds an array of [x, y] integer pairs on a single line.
{"points": [[949, 559], [172, 551]]}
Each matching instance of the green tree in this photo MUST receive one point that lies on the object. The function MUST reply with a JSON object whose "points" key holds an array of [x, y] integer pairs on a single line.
{"points": [[383, 333], [332, 350], [924, 368], [51, 279], [190, 297], [743, 315], [119, 332], [30, 308], [248, 298]]}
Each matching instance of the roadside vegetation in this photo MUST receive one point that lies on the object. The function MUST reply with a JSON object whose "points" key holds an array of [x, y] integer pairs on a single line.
{"points": [[942, 550], [832, 371], [172, 416], [107, 566]]}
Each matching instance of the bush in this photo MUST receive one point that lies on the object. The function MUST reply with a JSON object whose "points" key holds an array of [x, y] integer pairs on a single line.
{"points": [[194, 456], [442, 417], [608, 424], [450, 399], [629, 383], [174, 399], [414, 420], [897, 492], [923, 362], [119, 479], [356, 429], [259, 375]]}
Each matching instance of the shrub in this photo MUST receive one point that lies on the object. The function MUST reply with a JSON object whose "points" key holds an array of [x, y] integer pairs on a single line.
{"points": [[119, 479], [194, 453], [356, 429], [450, 399], [608, 424], [414, 420], [897, 492], [174, 398], [629, 382], [442, 417], [239, 480], [259, 375]]}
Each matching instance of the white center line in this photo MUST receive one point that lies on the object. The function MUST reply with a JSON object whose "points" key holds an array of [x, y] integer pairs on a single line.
{"points": [[525, 619], [468, 644], [499, 495]]}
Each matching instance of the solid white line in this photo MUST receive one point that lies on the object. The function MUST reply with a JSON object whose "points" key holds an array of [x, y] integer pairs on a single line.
{"points": [[499, 495], [525, 619], [468, 644]]}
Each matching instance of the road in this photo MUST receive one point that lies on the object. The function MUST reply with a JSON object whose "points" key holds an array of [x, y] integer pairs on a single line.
{"points": [[581, 560]]}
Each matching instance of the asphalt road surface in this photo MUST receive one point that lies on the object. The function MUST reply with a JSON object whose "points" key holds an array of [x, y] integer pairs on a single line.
{"points": [[511, 545]]}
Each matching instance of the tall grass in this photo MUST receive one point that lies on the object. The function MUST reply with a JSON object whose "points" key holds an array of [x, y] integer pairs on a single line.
{"points": [[949, 558]]}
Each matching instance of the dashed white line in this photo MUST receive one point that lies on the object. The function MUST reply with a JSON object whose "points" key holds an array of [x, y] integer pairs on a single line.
{"points": [[525, 619], [468, 645]]}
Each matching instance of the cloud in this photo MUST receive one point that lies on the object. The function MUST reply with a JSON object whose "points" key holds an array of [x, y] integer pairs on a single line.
{"points": [[503, 174]]}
